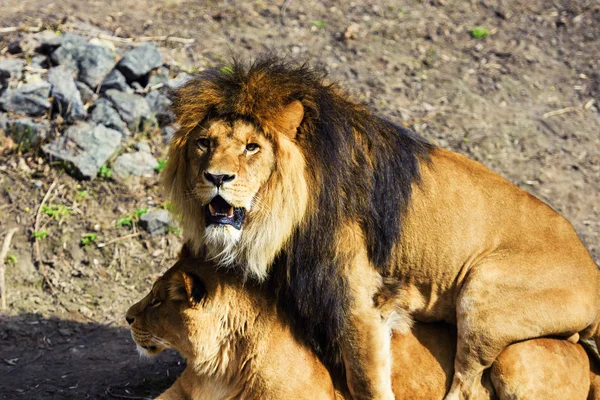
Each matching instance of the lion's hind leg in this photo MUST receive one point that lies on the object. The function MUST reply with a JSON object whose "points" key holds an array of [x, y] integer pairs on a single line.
{"points": [[550, 369], [500, 304]]}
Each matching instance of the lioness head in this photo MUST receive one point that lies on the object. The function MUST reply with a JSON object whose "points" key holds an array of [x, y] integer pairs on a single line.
{"points": [[191, 310], [236, 174]]}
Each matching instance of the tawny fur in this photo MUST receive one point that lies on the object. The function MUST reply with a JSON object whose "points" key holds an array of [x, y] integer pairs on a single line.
{"points": [[237, 345], [341, 202]]}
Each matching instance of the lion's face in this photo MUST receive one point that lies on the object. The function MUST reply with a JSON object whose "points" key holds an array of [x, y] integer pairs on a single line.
{"points": [[239, 188], [229, 163], [187, 310]]}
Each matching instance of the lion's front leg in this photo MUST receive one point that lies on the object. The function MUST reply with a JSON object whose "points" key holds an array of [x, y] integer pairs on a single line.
{"points": [[366, 337], [366, 353]]}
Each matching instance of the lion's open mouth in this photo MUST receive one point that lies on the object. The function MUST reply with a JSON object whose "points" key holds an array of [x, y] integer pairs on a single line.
{"points": [[220, 212]]}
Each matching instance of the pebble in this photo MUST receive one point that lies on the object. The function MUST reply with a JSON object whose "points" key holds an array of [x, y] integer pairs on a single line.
{"points": [[156, 222], [87, 146], [66, 96], [134, 110], [103, 113], [30, 99], [140, 61]]}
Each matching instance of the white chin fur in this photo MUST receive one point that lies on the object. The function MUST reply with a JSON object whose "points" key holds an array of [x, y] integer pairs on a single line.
{"points": [[143, 352], [221, 241]]}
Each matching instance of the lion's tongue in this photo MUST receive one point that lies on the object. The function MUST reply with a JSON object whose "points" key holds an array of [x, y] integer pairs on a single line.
{"points": [[218, 206]]}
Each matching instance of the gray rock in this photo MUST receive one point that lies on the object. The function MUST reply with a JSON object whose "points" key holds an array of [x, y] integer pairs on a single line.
{"points": [[14, 47], [87, 94], [25, 131], [140, 61], [94, 64], [39, 62], [140, 163], [11, 69], [160, 105], [104, 114], [48, 41], [68, 55], [115, 80], [86, 146], [167, 133], [134, 110], [161, 75], [137, 86], [31, 99], [3, 123], [179, 80], [143, 146], [66, 96], [156, 222]]}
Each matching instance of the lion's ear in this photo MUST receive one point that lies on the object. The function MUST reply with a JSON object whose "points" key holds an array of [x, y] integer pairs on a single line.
{"points": [[292, 116], [187, 287]]}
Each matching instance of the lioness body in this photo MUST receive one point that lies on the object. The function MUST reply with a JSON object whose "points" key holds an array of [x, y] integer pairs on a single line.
{"points": [[238, 346], [281, 176]]}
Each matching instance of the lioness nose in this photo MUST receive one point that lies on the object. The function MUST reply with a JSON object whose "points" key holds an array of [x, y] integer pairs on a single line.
{"points": [[129, 320], [218, 180]]}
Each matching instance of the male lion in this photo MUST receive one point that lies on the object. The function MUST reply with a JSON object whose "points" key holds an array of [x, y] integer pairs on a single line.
{"points": [[238, 345], [281, 175]]}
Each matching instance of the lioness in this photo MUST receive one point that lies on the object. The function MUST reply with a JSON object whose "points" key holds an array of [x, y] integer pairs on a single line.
{"points": [[239, 346], [279, 174]]}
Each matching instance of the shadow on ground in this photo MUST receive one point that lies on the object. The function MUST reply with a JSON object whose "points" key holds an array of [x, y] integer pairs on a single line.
{"points": [[62, 359]]}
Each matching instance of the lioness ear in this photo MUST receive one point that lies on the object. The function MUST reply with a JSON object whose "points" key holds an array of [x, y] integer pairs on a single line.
{"points": [[186, 286], [292, 116]]}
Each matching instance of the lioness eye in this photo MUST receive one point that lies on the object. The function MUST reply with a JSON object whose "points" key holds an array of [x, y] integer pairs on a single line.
{"points": [[155, 302], [204, 143], [252, 147]]}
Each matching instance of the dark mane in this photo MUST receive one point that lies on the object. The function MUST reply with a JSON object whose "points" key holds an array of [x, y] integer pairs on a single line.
{"points": [[361, 168]]}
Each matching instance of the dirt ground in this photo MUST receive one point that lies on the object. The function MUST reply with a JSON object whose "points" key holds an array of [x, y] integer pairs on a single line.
{"points": [[524, 101]]}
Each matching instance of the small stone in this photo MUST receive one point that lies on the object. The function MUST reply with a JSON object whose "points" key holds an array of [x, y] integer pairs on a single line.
{"points": [[134, 110], [87, 94], [14, 47], [38, 184], [140, 163], [27, 132], [137, 86], [48, 41], [39, 62], [161, 75], [31, 99], [139, 62], [156, 222], [94, 64], [103, 113], [167, 133], [160, 105], [179, 81], [11, 69], [66, 96], [143, 146], [86, 146], [68, 55], [115, 80]]}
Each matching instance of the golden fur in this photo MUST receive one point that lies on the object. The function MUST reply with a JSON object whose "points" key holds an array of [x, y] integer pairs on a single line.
{"points": [[237, 345], [341, 204]]}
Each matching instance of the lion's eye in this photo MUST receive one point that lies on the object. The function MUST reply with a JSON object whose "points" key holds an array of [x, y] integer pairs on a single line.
{"points": [[252, 147], [203, 143], [155, 302]]}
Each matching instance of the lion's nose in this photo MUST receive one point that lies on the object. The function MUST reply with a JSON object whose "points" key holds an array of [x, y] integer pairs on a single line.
{"points": [[129, 320], [218, 180]]}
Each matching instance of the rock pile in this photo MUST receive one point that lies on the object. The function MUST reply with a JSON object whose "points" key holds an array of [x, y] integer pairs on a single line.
{"points": [[83, 100], [96, 95]]}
